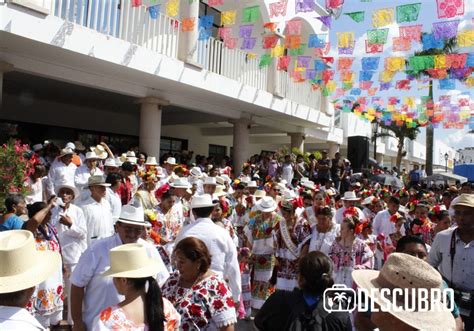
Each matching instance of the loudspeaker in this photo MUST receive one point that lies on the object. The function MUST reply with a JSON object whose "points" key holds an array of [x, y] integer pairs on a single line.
{"points": [[358, 152]]}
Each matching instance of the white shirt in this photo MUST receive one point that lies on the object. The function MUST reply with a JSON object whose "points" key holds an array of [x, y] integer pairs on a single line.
{"points": [[382, 224], [222, 249], [323, 241], [100, 292], [115, 203], [463, 264], [16, 318], [287, 172], [98, 217], [82, 174], [60, 173], [36, 191], [73, 239], [340, 214]]}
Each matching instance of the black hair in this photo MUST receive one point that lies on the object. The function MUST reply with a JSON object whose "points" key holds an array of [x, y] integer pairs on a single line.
{"points": [[13, 199], [316, 270], [325, 211], [394, 200], [154, 311], [127, 166], [166, 195], [306, 195], [203, 212], [406, 240], [35, 207], [112, 178]]}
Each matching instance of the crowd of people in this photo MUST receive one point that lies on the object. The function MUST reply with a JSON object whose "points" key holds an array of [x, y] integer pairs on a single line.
{"points": [[107, 241]]}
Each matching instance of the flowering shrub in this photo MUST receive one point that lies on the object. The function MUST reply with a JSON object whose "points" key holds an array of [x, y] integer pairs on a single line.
{"points": [[16, 165]]}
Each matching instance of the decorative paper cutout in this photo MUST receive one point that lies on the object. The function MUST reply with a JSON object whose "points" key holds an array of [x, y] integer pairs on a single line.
{"points": [[346, 50], [334, 4], [344, 63], [205, 22], [326, 20], [270, 41], [278, 50], [357, 16], [230, 43], [303, 61], [366, 75], [215, 3], [292, 42], [278, 8], [319, 65], [430, 42], [265, 60], [283, 62], [172, 8], [450, 8], [411, 32], [446, 29], [382, 17], [248, 43], [304, 6], [466, 38], [400, 44], [395, 63], [370, 63], [188, 24], [293, 27], [403, 84], [365, 85], [136, 3], [225, 33], [245, 31], [345, 39], [297, 51], [408, 12], [204, 34], [250, 14], [377, 36], [317, 41], [447, 84], [228, 17], [154, 11]]}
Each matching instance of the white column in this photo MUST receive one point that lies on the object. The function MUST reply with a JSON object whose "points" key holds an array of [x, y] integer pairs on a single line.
{"points": [[189, 51], [333, 149], [240, 143], [150, 125], [297, 140], [4, 68]]}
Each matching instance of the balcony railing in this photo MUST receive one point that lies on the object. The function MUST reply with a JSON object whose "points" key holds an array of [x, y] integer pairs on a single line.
{"points": [[232, 63], [119, 19]]}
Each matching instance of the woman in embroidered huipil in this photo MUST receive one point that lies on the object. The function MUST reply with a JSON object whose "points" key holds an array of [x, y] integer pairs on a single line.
{"points": [[349, 252], [292, 236], [260, 235]]}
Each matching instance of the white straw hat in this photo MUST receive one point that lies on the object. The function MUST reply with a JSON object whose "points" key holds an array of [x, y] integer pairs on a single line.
{"points": [[99, 150], [260, 194], [22, 265], [220, 191], [68, 185], [66, 151], [171, 161], [350, 196], [210, 181], [202, 201], [368, 200], [196, 172], [151, 161], [97, 180], [131, 261], [403, 271], [91, 156], [266, 205], [288, 195], [133, 215], [252, 184], [466, 200], [180, 182], [110, 163], [70, 145]]}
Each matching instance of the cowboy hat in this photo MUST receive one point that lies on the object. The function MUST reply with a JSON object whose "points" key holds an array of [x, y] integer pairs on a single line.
{"points": [[97, 180], [70, 145], [151, 161], [133, 215], [195, 172], [70, 186], [220, 191], [220, 181], [210, 181], [252, 184], [266, 205], [466, 200], [180, 183], [368, 200], [100, 151], [110, 163], [66, 151], [131, 261], [403, 271], [259, 194], [350, 196], [202, 201], [171, 161], [79, 146], [91, 156], [132, 159], [22, 265]]}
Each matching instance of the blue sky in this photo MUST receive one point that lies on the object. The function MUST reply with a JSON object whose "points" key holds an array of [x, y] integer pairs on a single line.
{"points": [[428, 14]]}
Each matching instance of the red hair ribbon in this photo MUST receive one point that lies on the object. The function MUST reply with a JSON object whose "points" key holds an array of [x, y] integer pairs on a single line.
{"points": [[162, 190]]}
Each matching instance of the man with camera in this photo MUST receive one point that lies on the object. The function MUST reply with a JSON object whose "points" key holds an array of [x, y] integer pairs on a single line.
{"points": [[453, 254]]}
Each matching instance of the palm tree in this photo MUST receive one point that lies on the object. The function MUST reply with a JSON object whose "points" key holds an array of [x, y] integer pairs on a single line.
{"points": [[339, 297], [449, 47]]}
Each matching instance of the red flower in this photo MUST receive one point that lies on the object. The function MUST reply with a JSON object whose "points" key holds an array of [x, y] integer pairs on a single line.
{"points": [[262, 260], [203, 291], [218, 304], [59, 290], [195, 309], [221, 289], [230, 302], [184, 303]]}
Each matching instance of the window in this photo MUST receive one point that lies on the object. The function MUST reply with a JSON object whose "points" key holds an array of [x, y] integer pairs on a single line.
{"points": [[204, 10], [172, 145], [217, 151]]}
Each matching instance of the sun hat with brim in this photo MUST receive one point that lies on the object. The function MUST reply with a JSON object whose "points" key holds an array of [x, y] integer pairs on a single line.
{"points": [[110, 163], [266, 205], [91, 156], [171, 161], [70, 145], [350, 196], [96, 181], [466, 200], [260, 194], [220, 191], [308, 184], [79, 146], [133, 215], [66, 151], [180, 183], [220, 181], [288, 195], [151, 161], [403, 271], [202, 201], [196, 172], [368, 201], [252, 184], [22, 265], [209, 181], [131, 261], [70, 186], [99, 150]]}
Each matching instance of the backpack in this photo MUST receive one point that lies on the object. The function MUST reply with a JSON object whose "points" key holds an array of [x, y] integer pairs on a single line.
{"points": [[310, 320]]}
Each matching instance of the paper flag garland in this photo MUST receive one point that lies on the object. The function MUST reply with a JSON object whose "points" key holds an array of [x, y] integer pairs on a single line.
{"points": [[445, 29], [408, 12], [400, 44], [382, 17], [188, 24], [326, 20], [370, 63], [466, 38], [270, 42], [278, 8], [172, 8], [450, 8], [245, 31], [377, 36], [265, 60], [248, 43], [411, 32], [357, 16], [293, 27], [304, 6], [154, 11], [228, 17], [334, 4], [317, 41], [250, 14], [345, 39]]}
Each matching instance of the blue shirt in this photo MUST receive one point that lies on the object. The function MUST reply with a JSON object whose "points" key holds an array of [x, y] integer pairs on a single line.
{"points": [[12, 223]]}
